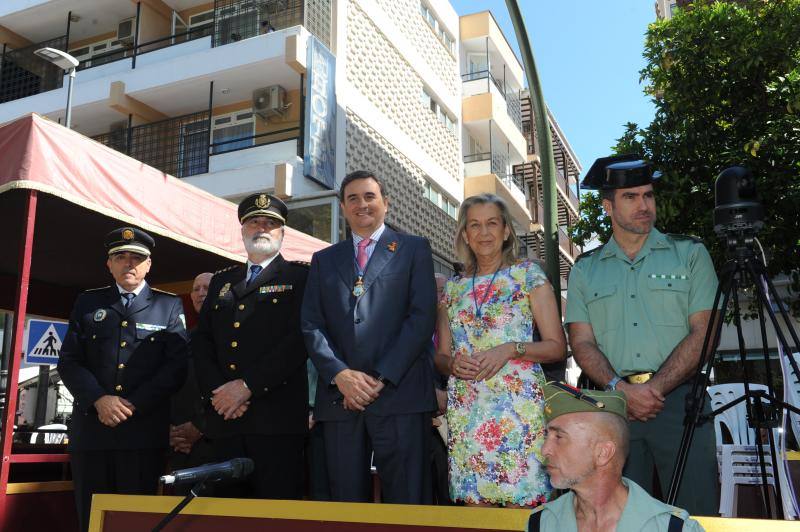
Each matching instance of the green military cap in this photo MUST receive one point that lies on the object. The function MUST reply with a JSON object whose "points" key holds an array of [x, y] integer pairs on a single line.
{"points": [[561, 398]]}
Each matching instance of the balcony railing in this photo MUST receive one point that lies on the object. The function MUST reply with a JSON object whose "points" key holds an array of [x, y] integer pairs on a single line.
{"points": [[483, 74], [177, 146], [498, 161], [475, 157], [513, 181], [566, 243], [180, 146], [262, 139], [514, 108], [23, 73], [512, 98], [497, 164]]}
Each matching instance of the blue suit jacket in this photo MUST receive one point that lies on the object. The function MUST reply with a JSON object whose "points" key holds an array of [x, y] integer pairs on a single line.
{"points": [[387, 331]]}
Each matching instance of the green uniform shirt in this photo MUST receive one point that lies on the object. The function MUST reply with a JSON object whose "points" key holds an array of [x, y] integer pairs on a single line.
{"points": [[641, 513], [639, 309]]}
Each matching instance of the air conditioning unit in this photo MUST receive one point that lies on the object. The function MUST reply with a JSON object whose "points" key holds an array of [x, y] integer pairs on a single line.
{"points": [[125, 30], [270, 101]]}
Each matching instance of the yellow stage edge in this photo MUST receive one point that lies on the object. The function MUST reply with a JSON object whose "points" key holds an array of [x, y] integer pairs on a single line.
{"points": [[390, 514]]}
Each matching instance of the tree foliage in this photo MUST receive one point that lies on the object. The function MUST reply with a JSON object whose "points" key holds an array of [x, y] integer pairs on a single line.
{"points": [[725, 81]]}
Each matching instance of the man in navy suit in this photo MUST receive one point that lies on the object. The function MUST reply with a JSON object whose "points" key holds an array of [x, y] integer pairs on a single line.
{"points": [[125, 354], [368, 317]]}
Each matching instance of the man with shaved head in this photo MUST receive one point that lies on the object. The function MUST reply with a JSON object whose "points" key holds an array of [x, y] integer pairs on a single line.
{"points": [[585, 450]]}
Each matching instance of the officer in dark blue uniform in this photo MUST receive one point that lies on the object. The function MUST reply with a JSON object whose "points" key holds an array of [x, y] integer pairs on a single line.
{"points": [[250, 358], [125, 354]]}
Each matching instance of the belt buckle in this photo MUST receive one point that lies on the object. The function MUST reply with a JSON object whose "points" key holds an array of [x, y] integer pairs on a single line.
{"points": [[639, 378]]}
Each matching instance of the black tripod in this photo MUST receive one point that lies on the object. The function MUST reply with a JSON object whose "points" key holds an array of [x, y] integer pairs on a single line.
{"points": [[763, 408]]}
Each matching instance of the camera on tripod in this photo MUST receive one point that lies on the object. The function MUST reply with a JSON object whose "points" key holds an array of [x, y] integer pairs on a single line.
{"points": [[738, 215]]}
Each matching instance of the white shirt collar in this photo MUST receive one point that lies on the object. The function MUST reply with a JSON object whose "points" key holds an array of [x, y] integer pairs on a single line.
{"points": [[262, 264], [137, 290], [374, 237]]}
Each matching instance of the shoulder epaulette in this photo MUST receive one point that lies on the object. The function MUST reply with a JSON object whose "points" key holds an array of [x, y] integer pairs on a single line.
{"points": [[301, 263], [677, 236], [588, 253], [232, 266], [96, 289], [161, 291]]}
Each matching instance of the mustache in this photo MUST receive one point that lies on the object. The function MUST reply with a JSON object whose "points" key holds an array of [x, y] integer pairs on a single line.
{"points": [[256, 237]]}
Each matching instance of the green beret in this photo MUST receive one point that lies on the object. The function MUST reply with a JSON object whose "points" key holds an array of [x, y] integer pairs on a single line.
{"points": [[560, 399]]}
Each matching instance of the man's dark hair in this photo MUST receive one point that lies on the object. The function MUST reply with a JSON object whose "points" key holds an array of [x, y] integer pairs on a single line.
{"points": [[360, 174], [608, 194]]}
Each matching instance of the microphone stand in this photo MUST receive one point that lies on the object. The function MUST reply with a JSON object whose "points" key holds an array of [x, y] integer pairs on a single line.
{"points": [[194, 492]]}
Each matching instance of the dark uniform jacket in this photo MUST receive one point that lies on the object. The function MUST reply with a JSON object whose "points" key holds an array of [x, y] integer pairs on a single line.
{"points": [[138, 353], [252, 332]]}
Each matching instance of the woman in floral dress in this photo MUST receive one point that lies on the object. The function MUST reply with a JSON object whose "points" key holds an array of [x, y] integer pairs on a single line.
{"points": [[485, 328]]}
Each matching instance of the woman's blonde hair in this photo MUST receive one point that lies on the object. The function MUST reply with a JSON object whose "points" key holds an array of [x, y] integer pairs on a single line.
{"points": [[464, 252]]}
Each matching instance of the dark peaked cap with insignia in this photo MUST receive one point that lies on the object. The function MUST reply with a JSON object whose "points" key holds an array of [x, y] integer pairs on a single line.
{"points": [[262, 205], [619, 171], [129, 239], [561, 398]]}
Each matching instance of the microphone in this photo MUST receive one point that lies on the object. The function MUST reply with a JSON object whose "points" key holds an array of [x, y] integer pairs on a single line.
{"points": [[235, 469]]}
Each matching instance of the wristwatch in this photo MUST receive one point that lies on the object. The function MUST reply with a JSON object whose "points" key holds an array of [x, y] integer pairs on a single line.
{"points": [[612, 384], [519, 347]]}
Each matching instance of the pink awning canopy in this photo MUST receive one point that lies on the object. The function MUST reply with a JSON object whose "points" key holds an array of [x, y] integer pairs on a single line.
{"points": [[85, 190], [40, 154]]}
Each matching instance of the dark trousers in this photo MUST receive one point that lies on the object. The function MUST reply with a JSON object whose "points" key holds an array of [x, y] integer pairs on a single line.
{"points": [[126, 472], [318, 484], [441, 483], [402, 447], [654, 444], [279, 466]]}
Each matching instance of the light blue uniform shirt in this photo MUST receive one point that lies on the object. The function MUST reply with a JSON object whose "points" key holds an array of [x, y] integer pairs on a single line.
{"points": [[641, 513]]}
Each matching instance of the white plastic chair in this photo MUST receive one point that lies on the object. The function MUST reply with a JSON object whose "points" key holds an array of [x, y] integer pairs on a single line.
{"points": [[791, 383], [738, 461], [734, 419]]}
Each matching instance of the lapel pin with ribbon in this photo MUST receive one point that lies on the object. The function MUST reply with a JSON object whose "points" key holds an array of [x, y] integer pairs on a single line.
{"points": [[392, 247]]}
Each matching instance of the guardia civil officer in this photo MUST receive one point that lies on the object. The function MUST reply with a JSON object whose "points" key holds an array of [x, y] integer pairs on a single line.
{"points": [[585, 446], [124, 356], [251, 361], [637, 311]]}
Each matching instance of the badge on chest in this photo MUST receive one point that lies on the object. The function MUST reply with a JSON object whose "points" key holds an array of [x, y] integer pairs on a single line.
{"points": [[275, 289]]}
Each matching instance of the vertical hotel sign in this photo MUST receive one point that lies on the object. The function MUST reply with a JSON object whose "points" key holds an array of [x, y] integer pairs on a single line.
{"points": [[319, 154]]}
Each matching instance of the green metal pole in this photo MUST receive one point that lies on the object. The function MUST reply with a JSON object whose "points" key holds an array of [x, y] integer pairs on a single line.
{"points": [[545, 141]]}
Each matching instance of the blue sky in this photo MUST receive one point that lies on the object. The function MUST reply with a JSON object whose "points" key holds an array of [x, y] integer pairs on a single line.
{"points": [[588, 54]]}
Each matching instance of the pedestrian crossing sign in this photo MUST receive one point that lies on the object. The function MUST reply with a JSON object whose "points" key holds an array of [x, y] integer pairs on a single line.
{"points": [[44, 341]]}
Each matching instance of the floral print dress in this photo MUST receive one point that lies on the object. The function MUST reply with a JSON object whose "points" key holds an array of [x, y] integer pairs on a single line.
{"points": [[496, 426]]}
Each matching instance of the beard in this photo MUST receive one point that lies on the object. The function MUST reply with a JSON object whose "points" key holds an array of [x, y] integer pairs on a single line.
{"points": [[566, 483], [263, 244], [638, 227]]}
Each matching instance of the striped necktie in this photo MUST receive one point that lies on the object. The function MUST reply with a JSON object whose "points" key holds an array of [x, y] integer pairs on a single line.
{"points": [[255, 269], [128, 296]]}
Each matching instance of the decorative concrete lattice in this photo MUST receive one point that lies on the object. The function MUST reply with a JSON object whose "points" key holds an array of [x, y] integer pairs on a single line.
{"points": [[385, 77], [407, 18], [409, 210]]}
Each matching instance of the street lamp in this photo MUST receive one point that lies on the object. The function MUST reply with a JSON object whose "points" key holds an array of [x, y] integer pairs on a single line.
{"points": [[66, 62]]}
